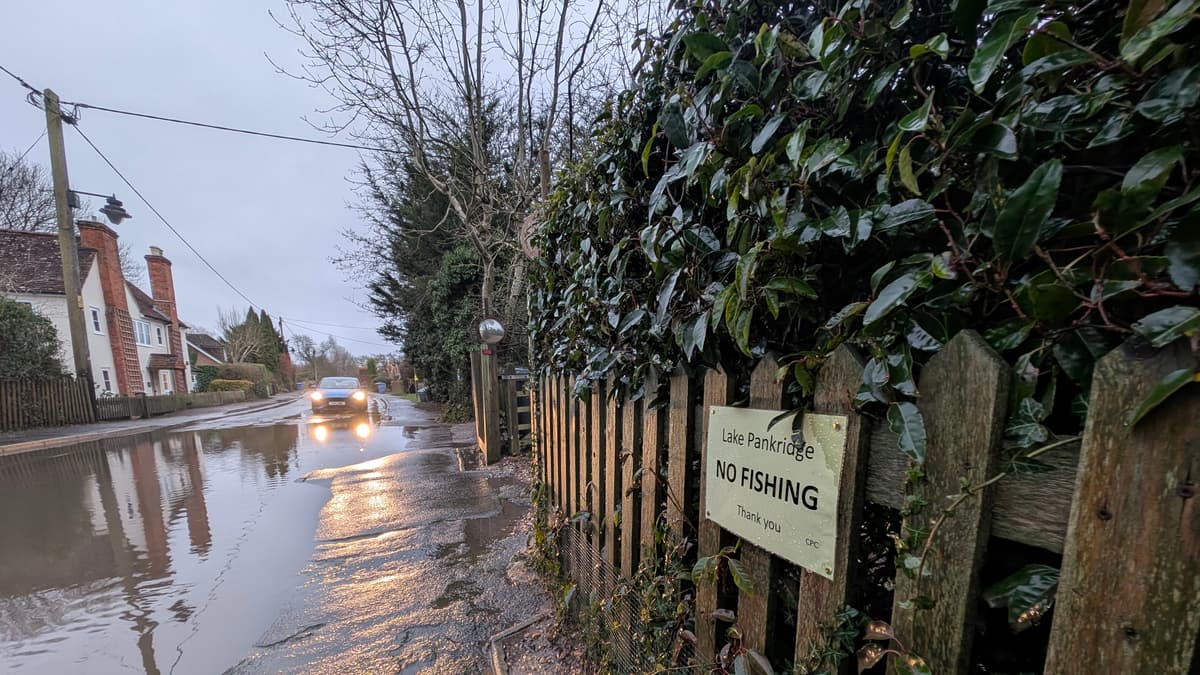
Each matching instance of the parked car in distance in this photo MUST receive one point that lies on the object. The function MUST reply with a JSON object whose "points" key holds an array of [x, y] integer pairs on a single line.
{"points": [[338, 394]]}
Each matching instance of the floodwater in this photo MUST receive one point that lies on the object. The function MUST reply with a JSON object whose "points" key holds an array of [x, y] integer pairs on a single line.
{"points": [[304, 543]]}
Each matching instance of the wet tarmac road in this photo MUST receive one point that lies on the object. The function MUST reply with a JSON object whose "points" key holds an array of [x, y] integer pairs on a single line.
{"points": [[286, 543]]}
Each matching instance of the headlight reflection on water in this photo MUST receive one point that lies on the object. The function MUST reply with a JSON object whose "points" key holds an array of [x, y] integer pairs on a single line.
{"points": [[363, 430], [321, 433]]}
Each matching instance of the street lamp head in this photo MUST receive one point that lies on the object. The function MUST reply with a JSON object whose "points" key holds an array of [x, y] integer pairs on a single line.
{"points": [[115, 211], [491, 331]]}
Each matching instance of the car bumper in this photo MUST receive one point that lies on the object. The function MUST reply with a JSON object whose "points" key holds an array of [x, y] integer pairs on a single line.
{"points": [[336, 404]]}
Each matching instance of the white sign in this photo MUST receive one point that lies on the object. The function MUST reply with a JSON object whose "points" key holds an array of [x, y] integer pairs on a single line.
{"points": [[777, 488]]}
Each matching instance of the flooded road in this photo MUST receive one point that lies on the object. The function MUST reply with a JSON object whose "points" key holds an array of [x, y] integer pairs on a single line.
{"points": [[295, 543]]}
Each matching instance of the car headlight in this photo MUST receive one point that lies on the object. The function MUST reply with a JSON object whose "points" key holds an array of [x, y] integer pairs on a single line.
{"points": [[316, 396], [360, 396]]}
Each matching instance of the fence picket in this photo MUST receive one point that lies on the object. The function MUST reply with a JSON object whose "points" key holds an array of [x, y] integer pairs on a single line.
{"points": [[718, 391], [819, 598], [964, 389], [756, 609], [631, 496], [599, 484], [680, 481], [652, 485], [1133, 529], [612, 470]]}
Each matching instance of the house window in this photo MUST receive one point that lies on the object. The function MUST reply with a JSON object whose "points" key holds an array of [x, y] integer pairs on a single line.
{"points": [[158, 334], [164, 377], [141, 329], [106, 379], [96, 321]]}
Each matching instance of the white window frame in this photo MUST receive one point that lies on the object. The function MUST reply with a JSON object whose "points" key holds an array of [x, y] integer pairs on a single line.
{"points": [[158, 334], [166, 380], [106, 379], [141, 329], [97, 325]]}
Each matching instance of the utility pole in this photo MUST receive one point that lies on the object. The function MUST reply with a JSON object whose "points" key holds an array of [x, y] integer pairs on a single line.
{"points": [[66, 235]]}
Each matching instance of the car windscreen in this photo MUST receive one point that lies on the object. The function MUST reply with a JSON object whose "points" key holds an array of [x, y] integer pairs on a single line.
{"points": [[339, 383]]}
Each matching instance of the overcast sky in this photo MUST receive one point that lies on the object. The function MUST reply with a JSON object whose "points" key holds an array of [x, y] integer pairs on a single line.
{"points": [[266, 213]]}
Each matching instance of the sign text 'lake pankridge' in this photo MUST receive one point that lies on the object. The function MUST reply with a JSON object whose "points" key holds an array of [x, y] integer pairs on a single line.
{"points": [[776, 487]]}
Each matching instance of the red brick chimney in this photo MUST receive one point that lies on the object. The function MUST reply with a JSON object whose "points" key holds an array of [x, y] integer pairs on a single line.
{"points": [[162, 289], [100, 237]]}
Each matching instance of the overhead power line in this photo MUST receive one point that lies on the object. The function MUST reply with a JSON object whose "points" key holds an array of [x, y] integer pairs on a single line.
{"points": [[317, 329], [236, 130], [322, 323], [21, 81], [23, 154], [163, 218]]}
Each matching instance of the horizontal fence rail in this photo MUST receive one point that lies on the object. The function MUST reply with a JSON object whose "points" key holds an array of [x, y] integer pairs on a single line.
{"points": [[126, 407], [45, 402], [1114, 504]]}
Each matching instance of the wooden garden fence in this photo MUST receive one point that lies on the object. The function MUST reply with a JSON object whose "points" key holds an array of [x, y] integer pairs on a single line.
{"points": [[1119, 506], [44, 402], [126, 407]]}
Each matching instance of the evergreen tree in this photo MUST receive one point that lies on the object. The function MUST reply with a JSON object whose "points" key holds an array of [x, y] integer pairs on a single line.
{"points": [[268, 342]]}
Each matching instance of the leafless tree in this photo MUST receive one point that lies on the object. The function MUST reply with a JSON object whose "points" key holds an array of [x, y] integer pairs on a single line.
{"points": [[429, 79], [240, 340], [132, 269], [26, 199]]}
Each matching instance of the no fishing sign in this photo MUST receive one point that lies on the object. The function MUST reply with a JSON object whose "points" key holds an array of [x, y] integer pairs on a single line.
{"points": [[776, 487]]}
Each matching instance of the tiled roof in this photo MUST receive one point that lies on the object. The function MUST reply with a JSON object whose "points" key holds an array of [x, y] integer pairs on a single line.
{"points": [[206, 342], [30, 262], [165, 362], [146, 304]]}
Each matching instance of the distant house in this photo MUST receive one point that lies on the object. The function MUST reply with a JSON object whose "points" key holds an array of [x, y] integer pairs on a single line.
{"points": [[203, 350], [134, 338]]}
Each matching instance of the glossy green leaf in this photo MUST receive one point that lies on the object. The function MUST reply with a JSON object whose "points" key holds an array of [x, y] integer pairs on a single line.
{"points": [[673, 125], [906, 422], [1183, 256], [844, 314], [902, 15], [1019, 223], [1007, 29], [791, 285], [892, 296], [746, 267], [1043, 42], [998, 140], [715, 61], [1176, 17], [664, 299], [703, 45], [795, 143], [824, 154], [743, 581], [907, 177], [937, 44], [879, 83], [917, 119], [1167, 325], [1150, 173], [766, 133], [1171, 383], [1028, 594]]}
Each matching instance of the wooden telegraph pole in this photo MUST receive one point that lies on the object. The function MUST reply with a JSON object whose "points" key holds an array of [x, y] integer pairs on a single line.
{"points": [[66, 235]]}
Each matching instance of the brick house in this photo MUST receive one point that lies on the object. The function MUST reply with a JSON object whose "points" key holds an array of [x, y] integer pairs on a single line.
{"points": [[134, 338]]}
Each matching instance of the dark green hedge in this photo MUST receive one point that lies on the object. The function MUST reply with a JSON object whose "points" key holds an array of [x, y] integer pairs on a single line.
{"points": [[788, 177], [786, 180]]}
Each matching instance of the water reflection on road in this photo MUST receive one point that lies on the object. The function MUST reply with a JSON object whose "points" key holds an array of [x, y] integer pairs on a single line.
{"points": [[167, 552]]}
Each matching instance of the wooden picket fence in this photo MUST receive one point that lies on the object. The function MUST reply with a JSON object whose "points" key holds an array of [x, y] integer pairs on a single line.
{"points": [[126, 407], [44, 402], [1118, 506]]}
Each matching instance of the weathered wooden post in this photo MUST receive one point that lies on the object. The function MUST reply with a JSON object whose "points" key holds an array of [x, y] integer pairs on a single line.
{"points": [[1129, 596]]}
